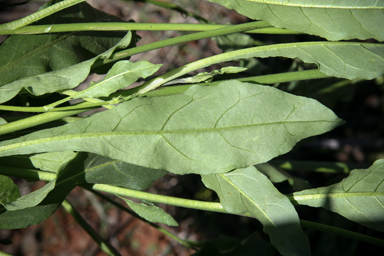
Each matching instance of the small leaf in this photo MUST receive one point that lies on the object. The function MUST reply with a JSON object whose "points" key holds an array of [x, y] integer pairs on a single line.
{"points": [[121, 75], [8, 190], [151, 213], [206, 129], [248, 190], [334, 20], [359, 197]]}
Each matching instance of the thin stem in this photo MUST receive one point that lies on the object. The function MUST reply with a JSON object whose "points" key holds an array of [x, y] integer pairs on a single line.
{"points": [[39, 15], [125, 26], [104, 245], [85, 106], [265, 79], [261, 51], [192, 204], [38, 119], [162, 230], [342, 232], [187, 38]]}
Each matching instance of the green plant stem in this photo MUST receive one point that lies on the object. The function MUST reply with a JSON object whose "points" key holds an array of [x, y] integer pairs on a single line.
{"points": [[39, 14], [313, 166], [265, 79], [125, 26], [104, 246], [38, 119], [342, 232], [162, 230], [186, 38], [192, 204], [4, 254]]}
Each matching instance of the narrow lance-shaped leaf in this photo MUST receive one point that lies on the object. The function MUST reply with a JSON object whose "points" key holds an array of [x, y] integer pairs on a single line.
{"points": [[151, 213], [206, 129], [332, 19], [47, 63], [121, 75], [359, 197], [249, 191]]}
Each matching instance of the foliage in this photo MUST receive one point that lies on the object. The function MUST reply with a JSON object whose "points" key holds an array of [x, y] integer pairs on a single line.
{"points": [[223, 125]]}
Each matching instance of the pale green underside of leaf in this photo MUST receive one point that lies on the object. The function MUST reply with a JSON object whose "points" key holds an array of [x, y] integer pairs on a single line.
{"points": [[8, 190], [121, 75], [359, 197], [207, 129], [248, 190], [151, 213], [334, 20], [53, 62]]}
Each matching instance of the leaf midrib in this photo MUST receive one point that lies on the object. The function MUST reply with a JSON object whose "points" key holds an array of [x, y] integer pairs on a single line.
{"points": [[149, 132], [299, 198]]}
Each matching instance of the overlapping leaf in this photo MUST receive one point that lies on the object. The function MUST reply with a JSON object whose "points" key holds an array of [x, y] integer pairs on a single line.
{"points": [[151, 213], [48, 63], [334, 20], [249, 191], [204, 130], [359, 197], [121, 75]]}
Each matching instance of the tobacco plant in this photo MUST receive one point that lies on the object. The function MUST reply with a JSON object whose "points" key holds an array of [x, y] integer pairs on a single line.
{"points": [[226, 125]]}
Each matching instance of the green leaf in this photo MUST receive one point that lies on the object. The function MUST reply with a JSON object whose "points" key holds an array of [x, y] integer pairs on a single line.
{"points": [[121, 75], [8, 190], [249, 191], [359, 197], [151, 213], [334, 20], [104, 170], [47, 63], [206, 129], [2, 121]]}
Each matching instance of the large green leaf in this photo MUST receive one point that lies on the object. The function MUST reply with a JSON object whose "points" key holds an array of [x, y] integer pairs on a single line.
{"points": [[249, 191], [51, 62], [52, 162], [359, 197], [332, 19], [8, 190], [151, 213], [121, 75], [206, 129]]}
